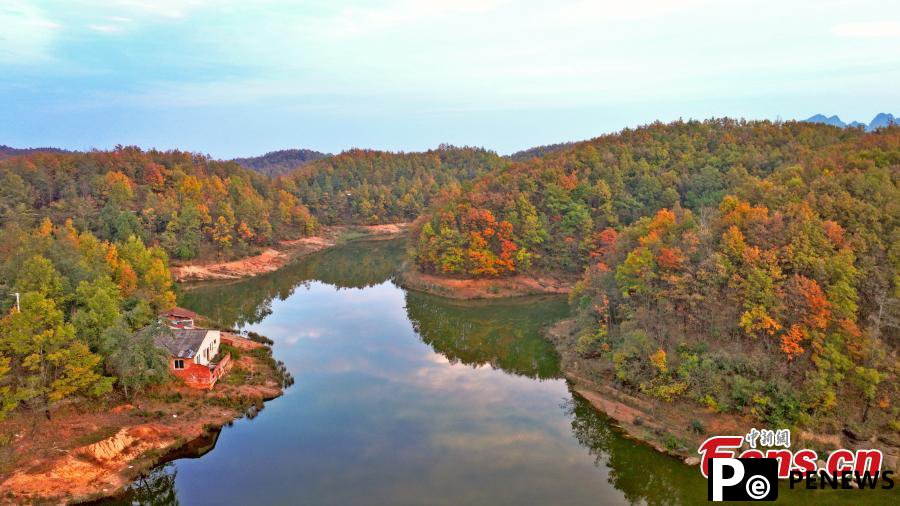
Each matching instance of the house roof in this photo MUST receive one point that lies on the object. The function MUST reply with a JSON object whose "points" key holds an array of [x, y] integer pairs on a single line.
{"points": [[178, 312], [181, 343]]}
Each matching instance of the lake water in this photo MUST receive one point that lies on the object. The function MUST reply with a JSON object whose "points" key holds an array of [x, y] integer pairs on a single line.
{"points": [[404, 398]]}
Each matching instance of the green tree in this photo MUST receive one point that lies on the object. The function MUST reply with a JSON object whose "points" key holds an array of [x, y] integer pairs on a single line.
{"points": [[7, 400], [135, 360], [39, 275], [97, 305], [50, 361]]}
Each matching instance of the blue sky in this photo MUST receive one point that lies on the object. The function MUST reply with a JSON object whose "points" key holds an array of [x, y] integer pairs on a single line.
{"points": [[240, 77]]}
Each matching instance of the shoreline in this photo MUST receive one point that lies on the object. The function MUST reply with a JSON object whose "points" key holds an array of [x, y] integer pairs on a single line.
{"points": [[667, 427], [116, 444], [274, 257], [411, 278]]}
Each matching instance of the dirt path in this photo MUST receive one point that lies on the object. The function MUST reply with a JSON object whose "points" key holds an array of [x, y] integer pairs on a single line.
{"points": [[276, 257]]}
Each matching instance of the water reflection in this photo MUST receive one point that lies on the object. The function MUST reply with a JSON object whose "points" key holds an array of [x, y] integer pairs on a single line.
{"points": [[404, 398], [505, 334], [155, 489], [629, 462], [358, 264]]}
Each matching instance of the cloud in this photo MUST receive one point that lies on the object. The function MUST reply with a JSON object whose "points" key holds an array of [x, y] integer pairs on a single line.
{"points": [[172, 9], [118, 16], [354, 21], [592, 11], [106, 28], [26, 34], [868, 29]]}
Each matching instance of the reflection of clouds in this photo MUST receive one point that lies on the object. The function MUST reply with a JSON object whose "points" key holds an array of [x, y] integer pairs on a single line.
{"points": [[293, 338], [370, 392], [436, 358]]}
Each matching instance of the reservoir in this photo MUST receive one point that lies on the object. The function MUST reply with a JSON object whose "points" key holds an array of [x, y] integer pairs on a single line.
{"points": [[406, 398]]}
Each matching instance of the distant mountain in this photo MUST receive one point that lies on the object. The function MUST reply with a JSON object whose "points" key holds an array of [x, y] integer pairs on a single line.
{"points": [[8, 151], [832, 120], [281, 162], [880, 120], [537, 152]]}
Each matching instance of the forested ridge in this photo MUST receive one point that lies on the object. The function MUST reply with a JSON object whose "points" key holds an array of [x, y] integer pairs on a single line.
{"points": [[750, 267], [275, 163], [369, 187], [188, 204], [195, 207]]}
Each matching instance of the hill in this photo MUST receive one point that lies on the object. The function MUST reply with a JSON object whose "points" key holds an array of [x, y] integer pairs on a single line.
{"points": [[191, 205], [746, 267], [280, 162], [8, 151], [370, 187], [538, 151]]}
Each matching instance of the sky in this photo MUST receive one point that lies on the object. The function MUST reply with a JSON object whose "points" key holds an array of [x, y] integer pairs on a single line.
{"points": [[240, 78]]}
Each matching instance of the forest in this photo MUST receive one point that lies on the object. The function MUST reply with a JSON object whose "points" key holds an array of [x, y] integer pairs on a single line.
{"points": [[86, 239], [369, 187], [749, 267], [188, 204], [81, 301], [275, 163]]}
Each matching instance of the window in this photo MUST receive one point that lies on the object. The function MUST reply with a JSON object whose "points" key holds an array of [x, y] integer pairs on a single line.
{"points": [[179, 364]]}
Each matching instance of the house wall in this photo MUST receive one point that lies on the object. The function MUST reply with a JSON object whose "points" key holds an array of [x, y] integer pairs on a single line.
{"points": [[209, 348], [194, 375]]}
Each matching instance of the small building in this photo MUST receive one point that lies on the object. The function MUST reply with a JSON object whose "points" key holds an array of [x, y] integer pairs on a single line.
{"points": [[179, 318], [193, 355]]}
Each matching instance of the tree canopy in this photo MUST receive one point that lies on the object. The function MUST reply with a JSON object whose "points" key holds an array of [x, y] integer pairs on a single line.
{"points": [[751, 266]]}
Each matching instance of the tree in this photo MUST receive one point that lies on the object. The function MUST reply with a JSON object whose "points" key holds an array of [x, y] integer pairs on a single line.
{"points": [[222, 233], [39, 275], [50, 361], [7, 400], [135, 360], [151, 267], [97, 305]]}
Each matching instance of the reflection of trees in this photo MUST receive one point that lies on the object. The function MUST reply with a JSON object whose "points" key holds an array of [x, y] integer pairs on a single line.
{"points": [[154, 489], [354, 265], [158, 487], [641, 473], [506, 334]]}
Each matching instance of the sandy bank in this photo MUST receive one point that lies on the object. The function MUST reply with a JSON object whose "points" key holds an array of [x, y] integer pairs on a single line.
{"points": [[276, 257], [465, 289]]}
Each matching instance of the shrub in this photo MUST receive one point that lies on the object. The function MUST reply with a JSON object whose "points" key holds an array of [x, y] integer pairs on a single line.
{"points": [[225, 348], [253, 336]]}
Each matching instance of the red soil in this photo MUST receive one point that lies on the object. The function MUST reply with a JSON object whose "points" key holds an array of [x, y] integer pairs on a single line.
{"points": [[89, 451], [272, 259]]}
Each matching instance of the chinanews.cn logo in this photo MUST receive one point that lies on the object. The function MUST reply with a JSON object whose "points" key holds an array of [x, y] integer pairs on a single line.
{"points": [[753, 474]]}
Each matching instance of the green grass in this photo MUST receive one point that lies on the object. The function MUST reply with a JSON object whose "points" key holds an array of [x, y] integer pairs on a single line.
{"points": [[95, 437]]}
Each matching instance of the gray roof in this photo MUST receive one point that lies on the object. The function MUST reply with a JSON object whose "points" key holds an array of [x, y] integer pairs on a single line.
{"points": [[181, 343]]}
